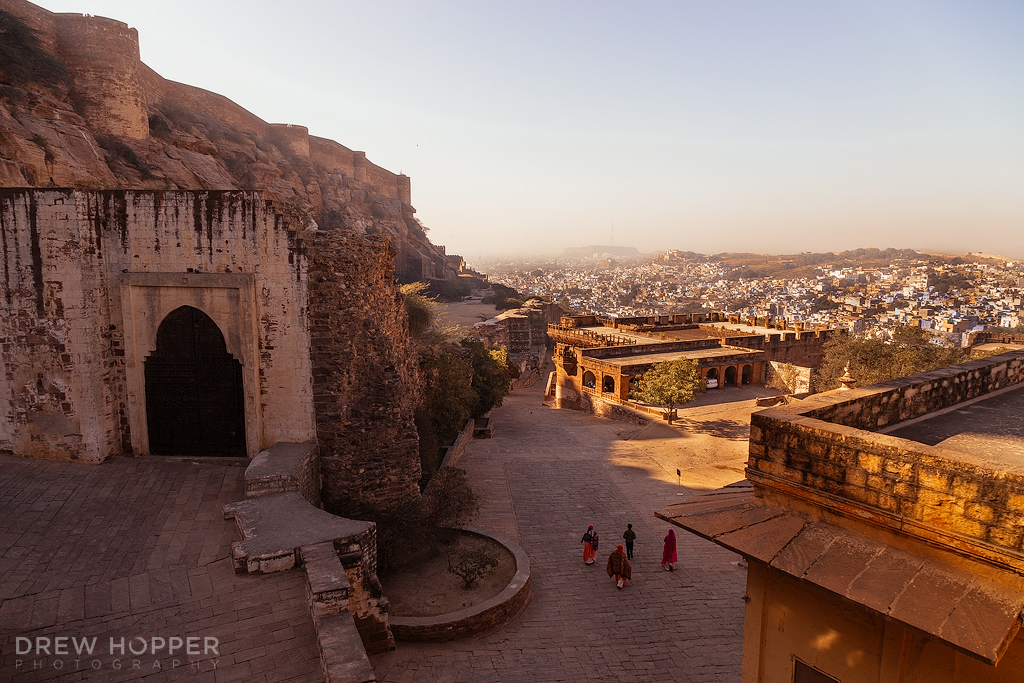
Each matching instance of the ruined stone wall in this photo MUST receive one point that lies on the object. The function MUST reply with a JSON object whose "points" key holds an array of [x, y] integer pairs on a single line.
{"points": [[365, 380], [69, 256], [797, 348], [952, 499]]}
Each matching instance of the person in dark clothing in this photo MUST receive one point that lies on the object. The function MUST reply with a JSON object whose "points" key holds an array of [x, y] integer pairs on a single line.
{"points": [[629, 536]]}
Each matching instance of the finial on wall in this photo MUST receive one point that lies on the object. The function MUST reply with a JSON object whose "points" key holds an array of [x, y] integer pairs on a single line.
{"points": [[847, 379]]}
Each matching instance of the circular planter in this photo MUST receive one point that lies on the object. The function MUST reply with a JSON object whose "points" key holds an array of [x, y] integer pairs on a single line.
{"points": [[471, 621]]}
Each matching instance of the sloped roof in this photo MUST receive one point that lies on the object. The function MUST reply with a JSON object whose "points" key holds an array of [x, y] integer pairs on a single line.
{"points": [[977, 616]]}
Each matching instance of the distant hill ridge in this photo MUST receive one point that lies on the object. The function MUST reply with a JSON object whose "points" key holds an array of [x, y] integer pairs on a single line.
{"points": [[599, 250]]}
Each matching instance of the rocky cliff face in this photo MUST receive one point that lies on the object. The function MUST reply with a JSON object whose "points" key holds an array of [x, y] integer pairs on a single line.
{"points": [[78, 109]]}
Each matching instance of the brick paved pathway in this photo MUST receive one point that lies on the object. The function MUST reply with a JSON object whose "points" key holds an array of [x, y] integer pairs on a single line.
{"points": [[545, 475], [139, 547]]}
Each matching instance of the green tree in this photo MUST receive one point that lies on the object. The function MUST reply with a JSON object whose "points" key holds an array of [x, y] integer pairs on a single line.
{"points": [[420, 308], [492, 375], [873, 360], [668, 384], [448, 396]]}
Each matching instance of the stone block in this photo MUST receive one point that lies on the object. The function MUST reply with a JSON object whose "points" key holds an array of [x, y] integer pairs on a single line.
{"points": [[342, 654], [933, 479], [979, 512], [870, 462], [285, 467], [327, 585], [273, 527]]}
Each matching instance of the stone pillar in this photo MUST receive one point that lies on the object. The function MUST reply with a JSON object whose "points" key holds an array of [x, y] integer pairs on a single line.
{"points": [[359, 165], [404, 185]]}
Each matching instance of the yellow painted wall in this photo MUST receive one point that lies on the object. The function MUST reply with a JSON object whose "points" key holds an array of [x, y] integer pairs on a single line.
{"points": [[786, 618]]}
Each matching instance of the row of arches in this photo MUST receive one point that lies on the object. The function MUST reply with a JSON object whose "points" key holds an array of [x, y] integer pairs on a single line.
{"points": [[713, 378], [728, 377]]}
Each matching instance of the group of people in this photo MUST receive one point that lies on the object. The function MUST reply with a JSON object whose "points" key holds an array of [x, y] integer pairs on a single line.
{"points": [[618, 562]]}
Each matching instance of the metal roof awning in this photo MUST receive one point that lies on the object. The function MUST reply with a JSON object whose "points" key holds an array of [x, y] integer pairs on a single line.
{"points": [[977, 616]]}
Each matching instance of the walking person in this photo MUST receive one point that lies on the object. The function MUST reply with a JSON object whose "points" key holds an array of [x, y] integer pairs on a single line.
{"points": [[630, 537], [668, 555], [618, 567], [590, 546]]}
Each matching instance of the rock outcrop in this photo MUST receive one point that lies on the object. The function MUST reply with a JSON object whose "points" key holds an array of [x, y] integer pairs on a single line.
{"points": [[82, 111]]}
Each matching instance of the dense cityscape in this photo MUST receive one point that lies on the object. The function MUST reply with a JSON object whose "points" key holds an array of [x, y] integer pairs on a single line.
{"points": [[952, 296]]}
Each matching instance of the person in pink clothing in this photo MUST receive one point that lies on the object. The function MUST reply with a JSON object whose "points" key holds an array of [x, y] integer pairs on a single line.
{"points": [[668, 555]]}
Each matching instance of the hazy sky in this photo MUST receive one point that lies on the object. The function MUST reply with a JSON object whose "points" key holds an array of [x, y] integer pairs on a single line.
{"points": [[711, 126]]}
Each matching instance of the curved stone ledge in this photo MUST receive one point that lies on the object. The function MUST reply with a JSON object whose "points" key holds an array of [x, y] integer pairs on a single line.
{"points": [[486, 616]]}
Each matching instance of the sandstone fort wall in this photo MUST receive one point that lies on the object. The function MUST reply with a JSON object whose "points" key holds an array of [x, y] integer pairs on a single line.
{"points": [[314, 318], [102, 56], [113, 90], [365, 378], [824, 450], [65, 362]]}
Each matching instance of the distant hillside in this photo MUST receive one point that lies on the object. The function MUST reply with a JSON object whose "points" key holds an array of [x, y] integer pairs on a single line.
{"points": [[752, 266], [599, 250]]}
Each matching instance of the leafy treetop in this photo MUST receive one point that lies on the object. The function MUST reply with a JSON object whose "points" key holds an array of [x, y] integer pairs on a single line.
{"points": [[668, 384], [873, 360]]}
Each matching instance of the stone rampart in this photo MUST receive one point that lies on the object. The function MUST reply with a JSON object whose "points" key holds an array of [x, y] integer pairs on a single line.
{"points": [[824, 452], [887, 403], [332, 155], [803, 348], [365, 380], [102, 56], [112, 89], [42, 20], [639, 349], [291, 139]]}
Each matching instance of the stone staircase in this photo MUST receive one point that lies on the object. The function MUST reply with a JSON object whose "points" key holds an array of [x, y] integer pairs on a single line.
{"points": [[282, 527]]}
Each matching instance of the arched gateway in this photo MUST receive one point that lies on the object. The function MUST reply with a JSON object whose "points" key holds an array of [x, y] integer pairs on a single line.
{"points": [[194, 399]]}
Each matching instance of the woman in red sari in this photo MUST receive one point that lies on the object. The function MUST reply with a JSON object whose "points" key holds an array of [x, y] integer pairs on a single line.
{"points": [[590, 546], [668, 555]]}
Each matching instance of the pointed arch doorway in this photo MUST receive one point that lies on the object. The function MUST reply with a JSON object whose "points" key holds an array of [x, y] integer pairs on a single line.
{"points": [[194, 395]]}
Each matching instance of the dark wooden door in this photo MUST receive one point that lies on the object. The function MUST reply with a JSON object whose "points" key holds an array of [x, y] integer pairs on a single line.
{"points": [[194, 399]]}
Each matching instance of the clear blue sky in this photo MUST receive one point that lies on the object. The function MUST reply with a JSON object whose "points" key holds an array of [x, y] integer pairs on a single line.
{"points": [[711, 126]]}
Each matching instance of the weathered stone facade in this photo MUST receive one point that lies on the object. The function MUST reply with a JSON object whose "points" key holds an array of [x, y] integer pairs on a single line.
{"points": [[365, 378], [313, 318]]}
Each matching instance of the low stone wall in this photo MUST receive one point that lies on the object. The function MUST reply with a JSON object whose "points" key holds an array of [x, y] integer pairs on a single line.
{"points": [[888, 403], [611, 409], [471, 621], [285, 467], [948, 498]]}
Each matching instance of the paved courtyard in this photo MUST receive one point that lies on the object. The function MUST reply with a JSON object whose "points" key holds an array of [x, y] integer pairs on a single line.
{"points": [[545, 475], [138, 548]]}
